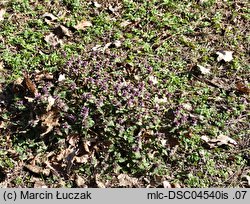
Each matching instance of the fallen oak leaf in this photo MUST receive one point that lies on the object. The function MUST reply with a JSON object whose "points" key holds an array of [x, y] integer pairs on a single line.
{"points": [[61, 77], [52, 39], [73, 139], [98, 181], [80, 182], [82, 159], [49, 121], [96, 4], [125, 180], [219, 141], [82, 25], [52, 169], [242, 88], [227, 56], [246, 178], [166, 184], [61, 31], [41, 75], [49, 16], [37, 169], [125, 23], [203, 70], [51, 102], [2, 12], [30, 85], [33, 168], [224, 140], [117, 43]]}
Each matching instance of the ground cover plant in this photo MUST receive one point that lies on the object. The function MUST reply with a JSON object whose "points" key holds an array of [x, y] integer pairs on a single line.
{"points": [[124, 93]]}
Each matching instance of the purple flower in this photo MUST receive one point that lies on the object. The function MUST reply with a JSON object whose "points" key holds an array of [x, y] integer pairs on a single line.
{"points": [[73, 86], [119, 121], [70, 63], [86, 96], [84, 112], [193, 121], [56, 97], [71, 118], [183, 119], [64, 54], [142, 104], [90, 80], [149, 69], [38, 95], [124, 93], [45, 90], [130, 103], [75, 70], [20, 102], [85, 64], [65, 125], [150, 82]]}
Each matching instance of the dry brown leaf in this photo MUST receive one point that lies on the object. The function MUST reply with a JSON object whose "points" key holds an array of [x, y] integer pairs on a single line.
{"points": [[86, 145], [49, 121], [125, 23], [97, 48], [125, 180], [80, 182], [52, 39], [176, 185], [1, 65], [42, 76], [46, 172], [219, 141], [96, 4], [51, 102], [52, 169], [62, 154], [187, 106], [70, 159], [30, 85], [2, 125], [227, 56], [61, 31], [98, 181], [34, 168], [2, 12], [38, 183], [146, 134], [242, 88], [117, 43], [73, 139], [49, 16], [82, 25], [61, 77], [203, 70], [246, 178], [82, 159], [114, 9], [166, 184]]}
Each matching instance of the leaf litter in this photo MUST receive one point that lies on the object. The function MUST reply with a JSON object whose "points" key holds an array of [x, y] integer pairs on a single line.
{"points": [[69, 155], [2, 12], [221, 140], [226, 56]]}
